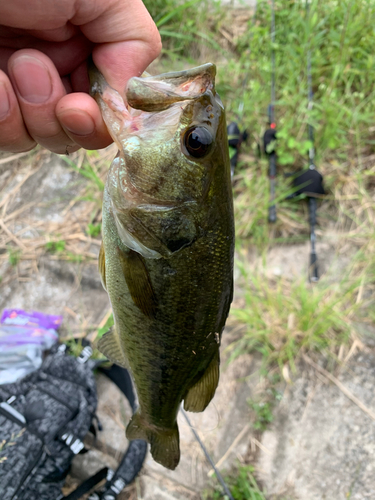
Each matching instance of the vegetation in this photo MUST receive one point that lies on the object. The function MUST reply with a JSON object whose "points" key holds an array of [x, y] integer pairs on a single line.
{"points": [[14, 255], [282, 315], [242, 485], [56, 246]]}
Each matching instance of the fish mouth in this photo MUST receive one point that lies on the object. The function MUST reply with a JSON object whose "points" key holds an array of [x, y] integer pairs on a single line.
{"points": [[157, 93], [153, 104]]}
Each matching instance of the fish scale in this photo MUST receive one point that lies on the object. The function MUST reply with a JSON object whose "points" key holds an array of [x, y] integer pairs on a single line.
{"points": [[168, 241]]}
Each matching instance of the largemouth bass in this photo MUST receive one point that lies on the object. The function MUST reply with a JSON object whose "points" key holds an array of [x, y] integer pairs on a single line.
{"points": [[166, 259]]}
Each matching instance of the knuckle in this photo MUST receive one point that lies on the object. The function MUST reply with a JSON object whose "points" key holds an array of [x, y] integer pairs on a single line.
{"points": [[15, 142], [154, 41], [57, 142]]}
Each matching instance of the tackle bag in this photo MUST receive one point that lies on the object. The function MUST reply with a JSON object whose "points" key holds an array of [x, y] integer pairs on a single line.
{"points": [[44, 418]]}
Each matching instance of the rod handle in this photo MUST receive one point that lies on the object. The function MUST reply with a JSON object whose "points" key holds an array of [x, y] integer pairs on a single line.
{"points": [[272, 176], [272, 214], [313, 270]]}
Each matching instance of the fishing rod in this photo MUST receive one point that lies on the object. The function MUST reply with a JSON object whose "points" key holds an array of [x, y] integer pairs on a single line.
{"points": [[269, 138], [207, 455], [235, 136], [310, 181]]}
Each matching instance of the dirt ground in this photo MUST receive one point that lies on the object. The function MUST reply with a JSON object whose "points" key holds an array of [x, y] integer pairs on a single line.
{"points": [[321, 444]]}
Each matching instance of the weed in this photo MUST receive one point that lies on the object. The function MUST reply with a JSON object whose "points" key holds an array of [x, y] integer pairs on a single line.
{"points": [[11, 442], [242, 484], [14, 255], [183, 26], [93, 229], [87, 170], [56, 246], [285, 318], [263, 412], [74, 347], [109, 323], [342, 49], [74, 257]]}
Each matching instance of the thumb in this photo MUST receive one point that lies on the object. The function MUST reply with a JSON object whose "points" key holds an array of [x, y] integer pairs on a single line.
{"points": [[127, 41]]}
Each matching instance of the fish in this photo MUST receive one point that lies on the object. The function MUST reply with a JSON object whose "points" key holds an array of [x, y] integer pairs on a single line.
{"points": [[166, 259]]}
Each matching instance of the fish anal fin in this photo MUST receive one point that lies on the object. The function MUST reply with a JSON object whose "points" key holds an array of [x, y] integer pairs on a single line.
{"points": [[110, 346], [101, 265], [165, 443], [200, 394], [138, 281]]}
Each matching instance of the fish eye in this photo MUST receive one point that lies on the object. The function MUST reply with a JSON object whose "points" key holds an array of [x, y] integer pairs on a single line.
{"points": [[198, 141]]}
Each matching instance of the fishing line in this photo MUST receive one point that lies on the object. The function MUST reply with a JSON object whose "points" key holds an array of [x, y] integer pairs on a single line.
{"points": [[269, 138], [207, 455]]}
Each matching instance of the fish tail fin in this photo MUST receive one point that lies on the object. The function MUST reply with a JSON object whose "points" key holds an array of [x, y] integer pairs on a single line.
{"points": [[201, 393], [165, 443], [110, 346]]}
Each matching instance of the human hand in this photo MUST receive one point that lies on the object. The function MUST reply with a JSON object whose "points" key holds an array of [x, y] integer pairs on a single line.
{"points": [[44, 46]]}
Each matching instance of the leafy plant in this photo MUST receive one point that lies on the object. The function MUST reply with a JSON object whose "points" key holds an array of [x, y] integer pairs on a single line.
{"points": [[263, 413], [339, 36], [93, 229], [242, 485], [14, 255], [109, 323], [56, 246], [11, 442], [87, 170], [183, 25], [283, 318]]}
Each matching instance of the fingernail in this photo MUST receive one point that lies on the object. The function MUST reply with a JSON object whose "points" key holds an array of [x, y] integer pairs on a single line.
{"points": [[77, 123], [32, 79], [4, 102]]}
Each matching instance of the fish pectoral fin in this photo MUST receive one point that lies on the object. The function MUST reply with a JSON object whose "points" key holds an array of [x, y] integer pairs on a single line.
{"points": [[101, 265], [110, 346], [165, 443], [201, 393], [138, 281]]}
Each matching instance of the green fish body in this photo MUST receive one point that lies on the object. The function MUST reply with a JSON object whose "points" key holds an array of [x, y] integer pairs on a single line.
{"points": [[168, 240]]}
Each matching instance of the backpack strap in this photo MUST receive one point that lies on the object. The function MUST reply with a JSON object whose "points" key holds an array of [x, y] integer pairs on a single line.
{"points": [[133, 459], [120, 376], [87, 485]]}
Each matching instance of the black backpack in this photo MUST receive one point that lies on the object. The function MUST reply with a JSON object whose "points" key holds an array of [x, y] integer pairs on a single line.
{"points": [[43, 421]]}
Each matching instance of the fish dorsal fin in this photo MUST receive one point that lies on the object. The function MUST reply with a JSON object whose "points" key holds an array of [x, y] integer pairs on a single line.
{"points": [[101, 265], [138, 281], [201, 393], [110, 346]]}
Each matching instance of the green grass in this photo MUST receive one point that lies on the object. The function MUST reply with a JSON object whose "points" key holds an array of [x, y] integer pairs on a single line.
{"points": [[14, 256], [263, 412], [88, 170], [183, 26], [93, 230], [109, 323], [284, 319], [242, 485], [340, 37], [56, 246]]}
